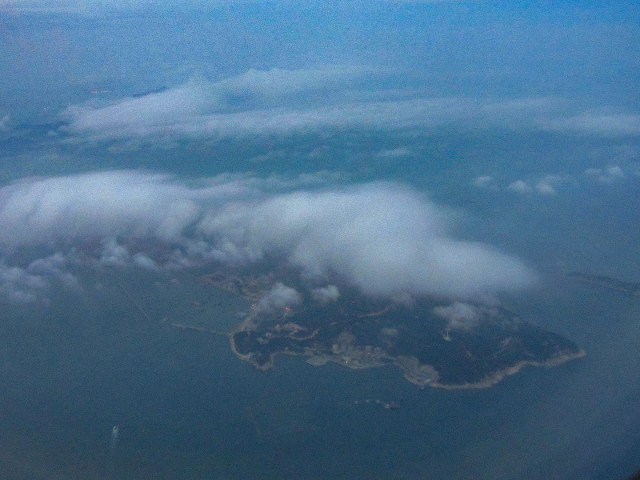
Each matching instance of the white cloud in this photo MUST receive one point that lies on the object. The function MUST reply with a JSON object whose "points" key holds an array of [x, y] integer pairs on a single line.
{"points": [[615, 171], [519, 186], [330, 293], [114, 254], [18, 285], [544, 187], [459, 315], [601, 124], [383, 238], [279, 297], [102, 205], [27, 284], [254, 103], [52, 265], [142, 261], [608, 175], [280, 102], [399, 152], [483, 181], [4, 124], [277, 85], [147, 113]]}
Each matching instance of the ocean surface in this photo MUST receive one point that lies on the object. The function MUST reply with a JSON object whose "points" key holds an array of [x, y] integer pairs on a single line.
{"points": [[187, 408]]}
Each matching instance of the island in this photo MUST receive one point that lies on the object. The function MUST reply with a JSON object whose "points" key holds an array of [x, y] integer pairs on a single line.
{"points": [[608, 283], [435, 342]]}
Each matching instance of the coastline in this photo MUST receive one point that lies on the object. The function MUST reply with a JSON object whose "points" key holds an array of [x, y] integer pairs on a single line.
{"points": [[245, 325], [502, 374], [421, 375]]}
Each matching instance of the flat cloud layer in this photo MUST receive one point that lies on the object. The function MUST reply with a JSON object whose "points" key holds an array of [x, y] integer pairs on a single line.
{"points": [[282, 102], [384, 238], [606, 125]]}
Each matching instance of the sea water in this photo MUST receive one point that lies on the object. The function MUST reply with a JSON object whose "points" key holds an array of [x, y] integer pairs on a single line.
{"points": [[187, 408]]}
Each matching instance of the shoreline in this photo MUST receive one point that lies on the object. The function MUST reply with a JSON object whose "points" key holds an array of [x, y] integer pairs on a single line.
{"points": [[415, 375], [502, 374], [346, 353], [421, 375]]}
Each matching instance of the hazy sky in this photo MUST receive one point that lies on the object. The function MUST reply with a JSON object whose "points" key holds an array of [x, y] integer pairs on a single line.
{"points": [[580, 50]]}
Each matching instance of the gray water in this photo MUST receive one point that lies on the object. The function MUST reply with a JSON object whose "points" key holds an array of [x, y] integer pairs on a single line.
{"points": [[187, 408]]}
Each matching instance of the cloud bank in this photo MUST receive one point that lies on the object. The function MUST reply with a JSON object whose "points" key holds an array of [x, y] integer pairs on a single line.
{"points": [[551, 185], [599, 124], [283, 102], [383, 238], [280, 102]]}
